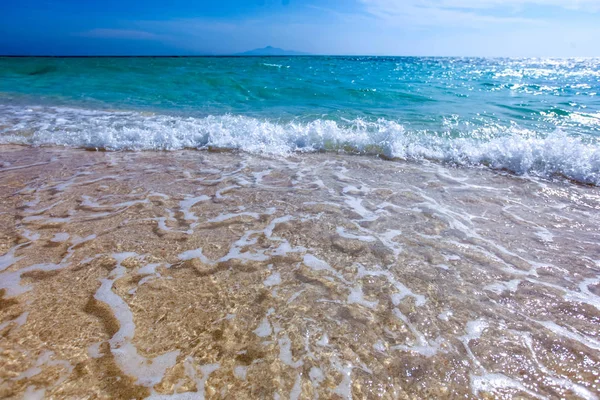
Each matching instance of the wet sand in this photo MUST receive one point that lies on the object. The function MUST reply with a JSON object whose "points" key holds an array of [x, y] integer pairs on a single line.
{"points": [[220, 275]]}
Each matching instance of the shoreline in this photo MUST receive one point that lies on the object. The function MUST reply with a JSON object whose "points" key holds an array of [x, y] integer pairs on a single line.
{"points": [[227, 274], [545, 155]]}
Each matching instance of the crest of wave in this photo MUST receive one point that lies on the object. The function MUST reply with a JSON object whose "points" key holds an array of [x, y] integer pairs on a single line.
{"points": [[511, 149]]}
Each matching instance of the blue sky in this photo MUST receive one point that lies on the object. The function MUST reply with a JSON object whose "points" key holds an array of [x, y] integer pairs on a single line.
{"points": [[381, 27]]}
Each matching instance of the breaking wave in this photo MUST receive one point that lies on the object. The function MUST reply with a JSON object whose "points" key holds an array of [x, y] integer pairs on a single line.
{"points": [[513, 149]]}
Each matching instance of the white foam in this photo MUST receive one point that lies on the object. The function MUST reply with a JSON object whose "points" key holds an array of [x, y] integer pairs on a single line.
{"points": [[29, 235], [296, 389], [344, 388], [294, 296], [273, 279], [316, 376], [445, 315], [9, 258], [6, 166], [285, 248], [206, 371], [94, 350], [320, 265], [575, 336], [280, 220], [585, 295], [507, 148], [196, 253], [579, 390], [451, 257], [544, 234], [491, 382], [11, 281], [363, 238], [32, 394], [240, 372], [249, 238], [285, 353], [225, 217], [387, 239], [354, 190], [258, 176], [380, 346], [47, 358], [402, 291], [264, 329], [88, 202], [357, 207], [147, 372], [421, 345], [188, 203], [148, 269], [60, 237], [19, 321], [500, 287], [324, 341], [474, 330], [356, 297]]}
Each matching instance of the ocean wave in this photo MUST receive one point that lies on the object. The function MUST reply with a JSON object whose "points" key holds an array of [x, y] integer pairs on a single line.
{"points": [[511, 149], [275, 65]]}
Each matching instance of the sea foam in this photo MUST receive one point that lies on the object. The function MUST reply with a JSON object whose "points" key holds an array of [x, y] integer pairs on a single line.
{"points": [[513, 149]]}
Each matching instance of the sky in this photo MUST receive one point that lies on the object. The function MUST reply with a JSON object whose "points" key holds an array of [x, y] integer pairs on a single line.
{"points": [[514, 28]]}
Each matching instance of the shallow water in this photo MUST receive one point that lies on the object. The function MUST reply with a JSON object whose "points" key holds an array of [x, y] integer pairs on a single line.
{"points": [[233, 275]]}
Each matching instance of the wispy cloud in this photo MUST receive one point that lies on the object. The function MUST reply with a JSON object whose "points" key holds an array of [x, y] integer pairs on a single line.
{"points": [[407, 27], [582, 5], [120, 34], [466, 13]]}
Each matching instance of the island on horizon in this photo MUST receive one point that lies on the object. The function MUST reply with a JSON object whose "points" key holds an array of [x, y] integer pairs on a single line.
{"points": [[271, 51]]}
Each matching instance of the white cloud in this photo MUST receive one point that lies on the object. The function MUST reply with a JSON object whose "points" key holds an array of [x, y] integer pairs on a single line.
{"points": [[390, 27], [466, 13], [583, 5]]}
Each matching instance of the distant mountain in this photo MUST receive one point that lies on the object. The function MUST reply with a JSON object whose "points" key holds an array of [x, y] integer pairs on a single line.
{"points": [[271, 51]]}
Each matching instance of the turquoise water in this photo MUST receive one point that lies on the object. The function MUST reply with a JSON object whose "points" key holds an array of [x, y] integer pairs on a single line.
{"points": [[528, 116]]}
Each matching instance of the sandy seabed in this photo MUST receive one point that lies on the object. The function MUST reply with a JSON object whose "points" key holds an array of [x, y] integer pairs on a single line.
{"points": [[227, 275]]}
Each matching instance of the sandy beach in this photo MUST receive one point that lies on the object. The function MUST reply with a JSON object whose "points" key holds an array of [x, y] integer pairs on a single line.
{"points": [[196, 274]]}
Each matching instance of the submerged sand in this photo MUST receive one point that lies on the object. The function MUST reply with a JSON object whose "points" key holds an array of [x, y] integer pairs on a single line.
{"points": [[220, 275]]}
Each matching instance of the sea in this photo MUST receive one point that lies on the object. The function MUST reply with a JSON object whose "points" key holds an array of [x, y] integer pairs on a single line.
{"points": [[299, 228], [527, 116]]}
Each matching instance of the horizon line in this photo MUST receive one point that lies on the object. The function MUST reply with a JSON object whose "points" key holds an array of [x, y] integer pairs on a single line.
{"points": [[270, 56]]}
